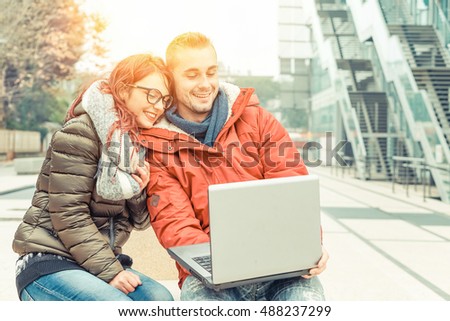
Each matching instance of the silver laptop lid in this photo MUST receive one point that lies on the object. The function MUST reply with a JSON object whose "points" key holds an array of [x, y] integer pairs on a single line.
{"points": [[264, 227]]}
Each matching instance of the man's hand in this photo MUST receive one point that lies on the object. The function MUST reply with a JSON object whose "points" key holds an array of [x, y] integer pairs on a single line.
{"points": [[125, 281], [142, 175], [321, 265]]}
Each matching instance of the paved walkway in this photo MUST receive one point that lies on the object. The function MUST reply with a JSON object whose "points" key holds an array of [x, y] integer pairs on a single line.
{"points": [[383, 245]]}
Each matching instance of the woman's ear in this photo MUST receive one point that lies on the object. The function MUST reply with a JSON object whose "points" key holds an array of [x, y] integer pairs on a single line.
{"points": [[123, 91]]}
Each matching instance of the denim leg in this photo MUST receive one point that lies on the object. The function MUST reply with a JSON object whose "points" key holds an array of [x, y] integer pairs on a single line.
{"points": [[194, 290], [71, 285], [296, 289], [149, 290], [292, 289]]}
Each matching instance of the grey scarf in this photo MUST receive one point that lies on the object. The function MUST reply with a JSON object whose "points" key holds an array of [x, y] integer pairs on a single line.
{"points": [[208, 130], [120, 158]]}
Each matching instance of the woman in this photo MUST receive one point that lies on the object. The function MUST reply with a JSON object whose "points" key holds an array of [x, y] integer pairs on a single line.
{"points": [[71, 238]]}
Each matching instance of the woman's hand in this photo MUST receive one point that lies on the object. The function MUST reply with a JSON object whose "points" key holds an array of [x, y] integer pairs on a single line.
{"points": [[126, 281], [142, 175]]}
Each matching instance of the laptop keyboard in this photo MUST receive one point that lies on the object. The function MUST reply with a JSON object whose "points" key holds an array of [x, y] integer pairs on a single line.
{"points": [[204, 262]]}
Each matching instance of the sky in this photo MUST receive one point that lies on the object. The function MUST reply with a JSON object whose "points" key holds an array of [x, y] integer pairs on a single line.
{"points": [[244, 32]]}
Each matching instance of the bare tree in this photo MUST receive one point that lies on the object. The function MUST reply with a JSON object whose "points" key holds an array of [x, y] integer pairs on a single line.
{"points": [[40, 43]]}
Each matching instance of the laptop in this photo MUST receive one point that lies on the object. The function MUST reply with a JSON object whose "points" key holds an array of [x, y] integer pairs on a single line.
{"points": [[260, 230]]}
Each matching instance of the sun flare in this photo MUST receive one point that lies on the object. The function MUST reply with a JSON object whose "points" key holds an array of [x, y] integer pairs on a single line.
{"points": [[245, 41]]}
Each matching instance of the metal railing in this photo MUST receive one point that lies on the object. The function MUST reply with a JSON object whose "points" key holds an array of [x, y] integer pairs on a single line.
{"points": [[408, 172], [423, 174]]}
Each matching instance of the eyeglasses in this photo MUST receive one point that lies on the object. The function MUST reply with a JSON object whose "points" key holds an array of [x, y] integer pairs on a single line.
{"points": [[154, 96]]}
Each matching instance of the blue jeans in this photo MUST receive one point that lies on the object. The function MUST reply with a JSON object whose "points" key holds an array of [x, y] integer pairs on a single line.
{"points": [[78, 285], [292, 289]]}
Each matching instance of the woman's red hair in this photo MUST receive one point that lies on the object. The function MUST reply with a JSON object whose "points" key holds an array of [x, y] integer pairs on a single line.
{"points": [[127, 72]]}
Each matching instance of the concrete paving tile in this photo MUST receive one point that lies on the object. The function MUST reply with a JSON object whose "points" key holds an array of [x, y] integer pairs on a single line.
{"points": [[429, 261], [7, 262], [358, 272], [443, 231], [331, 226], [392, 230], [383, 245]]}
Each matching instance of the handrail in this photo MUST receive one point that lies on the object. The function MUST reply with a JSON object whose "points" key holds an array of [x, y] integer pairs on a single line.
{"points": [[395, 106], [433, 14], [441, 24], [420, 165]]}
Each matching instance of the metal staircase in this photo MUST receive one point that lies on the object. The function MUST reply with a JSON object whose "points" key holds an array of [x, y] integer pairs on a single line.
{"points": [[396, 11], [369, 103], [414, 67], [430, 65]]}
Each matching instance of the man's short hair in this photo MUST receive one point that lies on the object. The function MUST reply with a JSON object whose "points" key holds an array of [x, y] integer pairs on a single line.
{"points": [[193, 40]]}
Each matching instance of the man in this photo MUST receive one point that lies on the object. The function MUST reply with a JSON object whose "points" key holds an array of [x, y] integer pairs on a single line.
{"points": [[215, 133]]}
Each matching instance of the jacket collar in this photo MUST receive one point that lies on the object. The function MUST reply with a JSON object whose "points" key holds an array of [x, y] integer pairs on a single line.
{"points": [[230, 90], [157, 136]]}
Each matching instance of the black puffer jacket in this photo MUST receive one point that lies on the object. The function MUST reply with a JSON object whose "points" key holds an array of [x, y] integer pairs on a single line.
{"points": [[67, 216]]}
